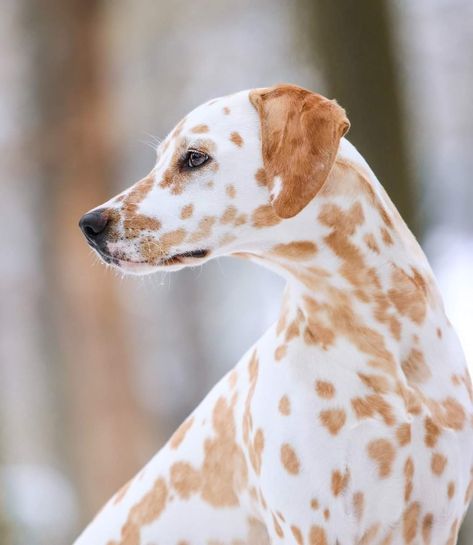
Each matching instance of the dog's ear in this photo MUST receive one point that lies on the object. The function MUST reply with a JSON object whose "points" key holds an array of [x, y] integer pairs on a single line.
{"points": [[300, 133]]}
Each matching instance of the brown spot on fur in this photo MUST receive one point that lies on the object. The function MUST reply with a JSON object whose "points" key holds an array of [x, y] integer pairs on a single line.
{"points": [[228, 215], [339, 482], [314, 504], [137, 194], [344, 221], [368, 406], [427, 524], [297, 535], [170, 239], [370, 241], [204, 229], [226, 110], [261, 178], [317, 333], [284, 406], [415, 368], [277, 527], [247, 416], [387, 238], [369, 535], [454, 416], [262, 500], [224, 472], [233, 378], [187, 211], [224, 468], [256, 450], [292, 331], [289, 459], [367, 340], [432, 432], [377, 383], [185, 479], [456, 379], [403, 434], [438, 463], [324, 389], [230, 191], [409, 475], [280, 516], [236, 139], [317, 536], [280, 352], [410, 520], [451, 490], [333, 420], [144, 512], [407, 295], [358, 505], [173, 178], [150, 250], [297, 250], [181, 432], [199, 129], [240, 220], [264, 216], [383, 453], [135, 224]]}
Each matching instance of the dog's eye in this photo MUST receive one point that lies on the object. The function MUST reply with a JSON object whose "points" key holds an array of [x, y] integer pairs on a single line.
{"points": [[195, 158]]}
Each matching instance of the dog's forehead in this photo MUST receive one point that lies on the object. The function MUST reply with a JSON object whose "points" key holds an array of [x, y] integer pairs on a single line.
{"points": [[227, 111]]}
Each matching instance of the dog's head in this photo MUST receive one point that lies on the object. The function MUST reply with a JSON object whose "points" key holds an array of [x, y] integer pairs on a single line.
{"points": [[233, 169]]}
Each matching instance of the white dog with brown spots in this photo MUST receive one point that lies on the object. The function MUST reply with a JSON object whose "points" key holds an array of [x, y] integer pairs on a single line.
{"points": [[350, 421]]}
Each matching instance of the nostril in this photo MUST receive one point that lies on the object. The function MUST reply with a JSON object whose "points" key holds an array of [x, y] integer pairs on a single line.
{"points": [[89, 231], [94, 223]]}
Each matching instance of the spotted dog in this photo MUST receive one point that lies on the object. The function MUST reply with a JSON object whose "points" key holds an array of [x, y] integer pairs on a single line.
{"points": [[350, 421]]}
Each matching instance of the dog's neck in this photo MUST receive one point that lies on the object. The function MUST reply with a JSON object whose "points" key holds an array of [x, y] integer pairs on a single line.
{"points": [[349, 261]]}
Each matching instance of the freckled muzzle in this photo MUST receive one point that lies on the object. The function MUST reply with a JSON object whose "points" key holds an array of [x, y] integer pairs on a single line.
{"points": [[97, 227]]}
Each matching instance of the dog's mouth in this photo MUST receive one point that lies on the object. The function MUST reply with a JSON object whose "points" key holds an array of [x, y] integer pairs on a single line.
{"points": [[184, 256], [121, 261]]}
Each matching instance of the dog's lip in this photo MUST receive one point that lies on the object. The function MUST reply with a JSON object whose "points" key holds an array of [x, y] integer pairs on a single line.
{"points": [[191, 254], [174, 259]]}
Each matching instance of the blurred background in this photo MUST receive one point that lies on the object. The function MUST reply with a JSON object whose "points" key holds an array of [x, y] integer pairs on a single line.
{"points": [[96, 370]]}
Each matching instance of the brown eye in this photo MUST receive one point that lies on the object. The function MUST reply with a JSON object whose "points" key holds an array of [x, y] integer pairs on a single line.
{"points": [[196, 158]]}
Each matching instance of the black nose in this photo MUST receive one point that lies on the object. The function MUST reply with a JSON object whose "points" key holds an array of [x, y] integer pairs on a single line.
{"points": [[93, 224]]}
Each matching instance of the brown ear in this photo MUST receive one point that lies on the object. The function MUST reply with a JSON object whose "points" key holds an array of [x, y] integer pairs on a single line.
{"points": [[300, 133]]}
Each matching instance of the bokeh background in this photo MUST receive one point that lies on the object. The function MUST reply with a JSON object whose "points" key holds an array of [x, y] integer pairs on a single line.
{"points": [[97, 370]]}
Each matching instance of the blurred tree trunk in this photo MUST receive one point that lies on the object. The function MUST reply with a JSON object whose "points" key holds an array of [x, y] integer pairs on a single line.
{"points": [[352, 43], [104, 430]]}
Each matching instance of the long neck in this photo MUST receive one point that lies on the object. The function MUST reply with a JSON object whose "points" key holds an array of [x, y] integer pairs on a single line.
{"points": [[355, 272]]}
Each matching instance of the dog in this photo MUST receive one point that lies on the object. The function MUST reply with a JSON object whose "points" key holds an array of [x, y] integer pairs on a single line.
{"points": [[350, 421]]}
